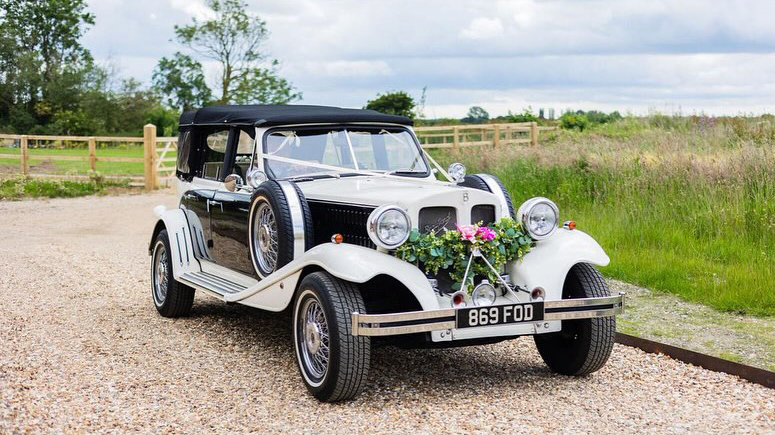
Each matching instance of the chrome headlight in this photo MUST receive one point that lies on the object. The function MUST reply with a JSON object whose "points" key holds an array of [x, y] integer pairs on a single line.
{"points": [[457, 172], [389, 226], [539, 216], [484, 294]]}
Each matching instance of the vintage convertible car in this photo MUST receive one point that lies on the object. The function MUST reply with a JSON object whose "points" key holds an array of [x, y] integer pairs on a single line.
{"points": [[304, 208]]}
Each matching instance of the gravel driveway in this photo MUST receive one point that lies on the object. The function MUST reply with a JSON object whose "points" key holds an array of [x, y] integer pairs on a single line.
{"points": [[83, 350]]}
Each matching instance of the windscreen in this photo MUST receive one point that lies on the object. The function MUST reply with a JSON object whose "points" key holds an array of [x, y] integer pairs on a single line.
{"points": [[376, 149]]}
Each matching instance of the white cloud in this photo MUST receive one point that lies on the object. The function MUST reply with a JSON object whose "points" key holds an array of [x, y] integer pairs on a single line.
{"points": [[501, 54], [483, 28]]}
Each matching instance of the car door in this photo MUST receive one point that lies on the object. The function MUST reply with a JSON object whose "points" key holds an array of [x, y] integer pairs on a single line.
{"points": [[229, 210], [197, 201]]}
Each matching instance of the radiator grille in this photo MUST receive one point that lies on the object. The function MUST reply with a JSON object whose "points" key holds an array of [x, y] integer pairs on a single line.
{"points": [[484, 213], [435, 219], [348, 220]]}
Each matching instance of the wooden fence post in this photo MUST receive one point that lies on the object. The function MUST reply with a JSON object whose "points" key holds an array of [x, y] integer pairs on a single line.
{"points": [[149, 140], [92, 154], [25, 155], [534, 133], [455, 140], [496, 138]]}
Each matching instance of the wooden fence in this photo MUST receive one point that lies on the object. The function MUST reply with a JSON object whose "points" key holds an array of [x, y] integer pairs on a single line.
{"points": [[158, 168]]}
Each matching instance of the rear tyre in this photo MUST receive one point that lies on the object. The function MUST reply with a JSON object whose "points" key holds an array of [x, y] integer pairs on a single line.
{"points": [[478, 182], [333, 363], [584, 345], [171, 298]]}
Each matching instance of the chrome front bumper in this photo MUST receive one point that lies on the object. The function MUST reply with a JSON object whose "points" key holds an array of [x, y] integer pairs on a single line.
{"points": [[444, 319]]}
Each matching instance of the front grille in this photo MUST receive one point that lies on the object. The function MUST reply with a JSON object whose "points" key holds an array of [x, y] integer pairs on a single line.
{"points": [[348, 220], [484, 213], [435, 219]]}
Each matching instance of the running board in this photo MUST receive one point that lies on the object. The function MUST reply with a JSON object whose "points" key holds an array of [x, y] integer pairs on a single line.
{"points": [[211, 283]]}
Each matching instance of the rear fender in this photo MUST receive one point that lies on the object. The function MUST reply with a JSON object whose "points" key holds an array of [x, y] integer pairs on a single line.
{"points": [[181, 244], [548, 263]]}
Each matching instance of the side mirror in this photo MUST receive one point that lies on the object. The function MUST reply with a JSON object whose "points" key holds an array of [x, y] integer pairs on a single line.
{"points": [[233, 182]]}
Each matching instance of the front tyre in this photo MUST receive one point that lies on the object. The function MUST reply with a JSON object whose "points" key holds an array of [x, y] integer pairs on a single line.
{"points": [[333, 363], [584, 345], [171, 298]]}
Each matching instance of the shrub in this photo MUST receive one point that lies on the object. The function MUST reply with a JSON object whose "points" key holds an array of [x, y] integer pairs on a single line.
{"points": [[571, 121]]}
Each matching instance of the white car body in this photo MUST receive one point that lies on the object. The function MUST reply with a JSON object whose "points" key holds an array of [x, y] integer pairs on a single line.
{"points": [[545, 266]]}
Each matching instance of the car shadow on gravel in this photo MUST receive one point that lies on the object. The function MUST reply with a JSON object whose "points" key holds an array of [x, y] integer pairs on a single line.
{"points": [[484, 369]]}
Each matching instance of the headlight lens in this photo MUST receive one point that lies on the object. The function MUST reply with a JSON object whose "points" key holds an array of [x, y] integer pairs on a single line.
{"points": [[389, 226], [540, 217], [484, 294], [456, 171]]}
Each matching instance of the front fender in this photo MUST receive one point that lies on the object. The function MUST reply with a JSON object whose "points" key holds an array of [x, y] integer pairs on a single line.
{"points": [[345, 261], [548, 263]]}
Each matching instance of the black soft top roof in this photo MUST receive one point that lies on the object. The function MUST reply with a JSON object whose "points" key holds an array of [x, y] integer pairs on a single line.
{"points": [[268, 115]]}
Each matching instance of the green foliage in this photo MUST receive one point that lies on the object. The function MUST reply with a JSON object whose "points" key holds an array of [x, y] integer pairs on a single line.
{"points": [[450, 251], [393, 103], [182, 80], [233, 38], [20, 188], [574, 121], [526, 116], [476, 115], [43, 66]]}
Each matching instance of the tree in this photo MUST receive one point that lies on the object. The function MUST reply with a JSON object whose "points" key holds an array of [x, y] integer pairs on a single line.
{"points": [[43, 66], [233, 38], [182, 80], [393, 103], [476, 115]]}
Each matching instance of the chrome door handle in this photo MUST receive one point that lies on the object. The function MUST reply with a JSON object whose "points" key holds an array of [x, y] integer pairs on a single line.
{"points": [[189, 196], [213, 202]]}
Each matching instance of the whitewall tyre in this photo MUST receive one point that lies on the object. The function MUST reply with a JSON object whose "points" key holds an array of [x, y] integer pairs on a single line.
{"points": [[333, 363]]}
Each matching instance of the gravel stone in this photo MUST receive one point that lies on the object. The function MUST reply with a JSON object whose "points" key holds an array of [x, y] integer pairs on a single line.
{"points": [[82, 350]]}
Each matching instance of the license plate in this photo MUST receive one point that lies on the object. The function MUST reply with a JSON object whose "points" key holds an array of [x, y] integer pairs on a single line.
{"points": [[499, 315]]}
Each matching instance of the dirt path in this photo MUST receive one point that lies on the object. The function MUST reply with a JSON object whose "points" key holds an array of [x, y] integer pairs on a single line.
{"points": [[82, 350]]}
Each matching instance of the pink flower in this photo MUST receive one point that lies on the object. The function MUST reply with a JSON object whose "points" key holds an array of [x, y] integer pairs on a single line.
{"points": [[467, 232], [486, 234]]}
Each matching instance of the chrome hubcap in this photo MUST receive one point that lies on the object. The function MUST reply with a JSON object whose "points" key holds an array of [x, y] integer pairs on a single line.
{"points": [[160, 282], [265, 238], [314, 338]]}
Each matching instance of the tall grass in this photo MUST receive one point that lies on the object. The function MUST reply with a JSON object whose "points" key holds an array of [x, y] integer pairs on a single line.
{"points": [[683, 205]]}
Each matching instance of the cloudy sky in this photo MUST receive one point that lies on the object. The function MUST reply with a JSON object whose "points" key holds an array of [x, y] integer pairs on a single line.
{"points": [[692, 56]]}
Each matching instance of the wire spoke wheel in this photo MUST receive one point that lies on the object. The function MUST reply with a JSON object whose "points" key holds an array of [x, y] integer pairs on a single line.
{"points": [[314, 339], [160, 273], [265, 238]]}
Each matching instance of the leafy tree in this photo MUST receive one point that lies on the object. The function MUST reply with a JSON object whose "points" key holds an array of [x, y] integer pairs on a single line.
{"points": [[526, 116], [476, 115], [182, 80], [43, 66], [393, 103], [571, 121], [233, 38]]}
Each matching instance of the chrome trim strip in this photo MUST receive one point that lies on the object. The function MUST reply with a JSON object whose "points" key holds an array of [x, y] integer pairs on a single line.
{"points": [[370, 324], [408, 329], [587, 314], [586, 302], [297, 217], [496, 190]]}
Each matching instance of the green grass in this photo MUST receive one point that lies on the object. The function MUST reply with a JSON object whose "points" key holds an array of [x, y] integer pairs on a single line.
{"points": [[38, 157], [20, 188], [686, 210]]}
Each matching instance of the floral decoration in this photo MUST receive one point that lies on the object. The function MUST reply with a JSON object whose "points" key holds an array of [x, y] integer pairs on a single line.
{"points": [[499, 243]]}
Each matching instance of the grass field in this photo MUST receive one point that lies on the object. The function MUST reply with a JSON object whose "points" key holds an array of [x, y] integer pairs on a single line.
{"points": [[19, 188], [682, 205], [39, 163]]}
